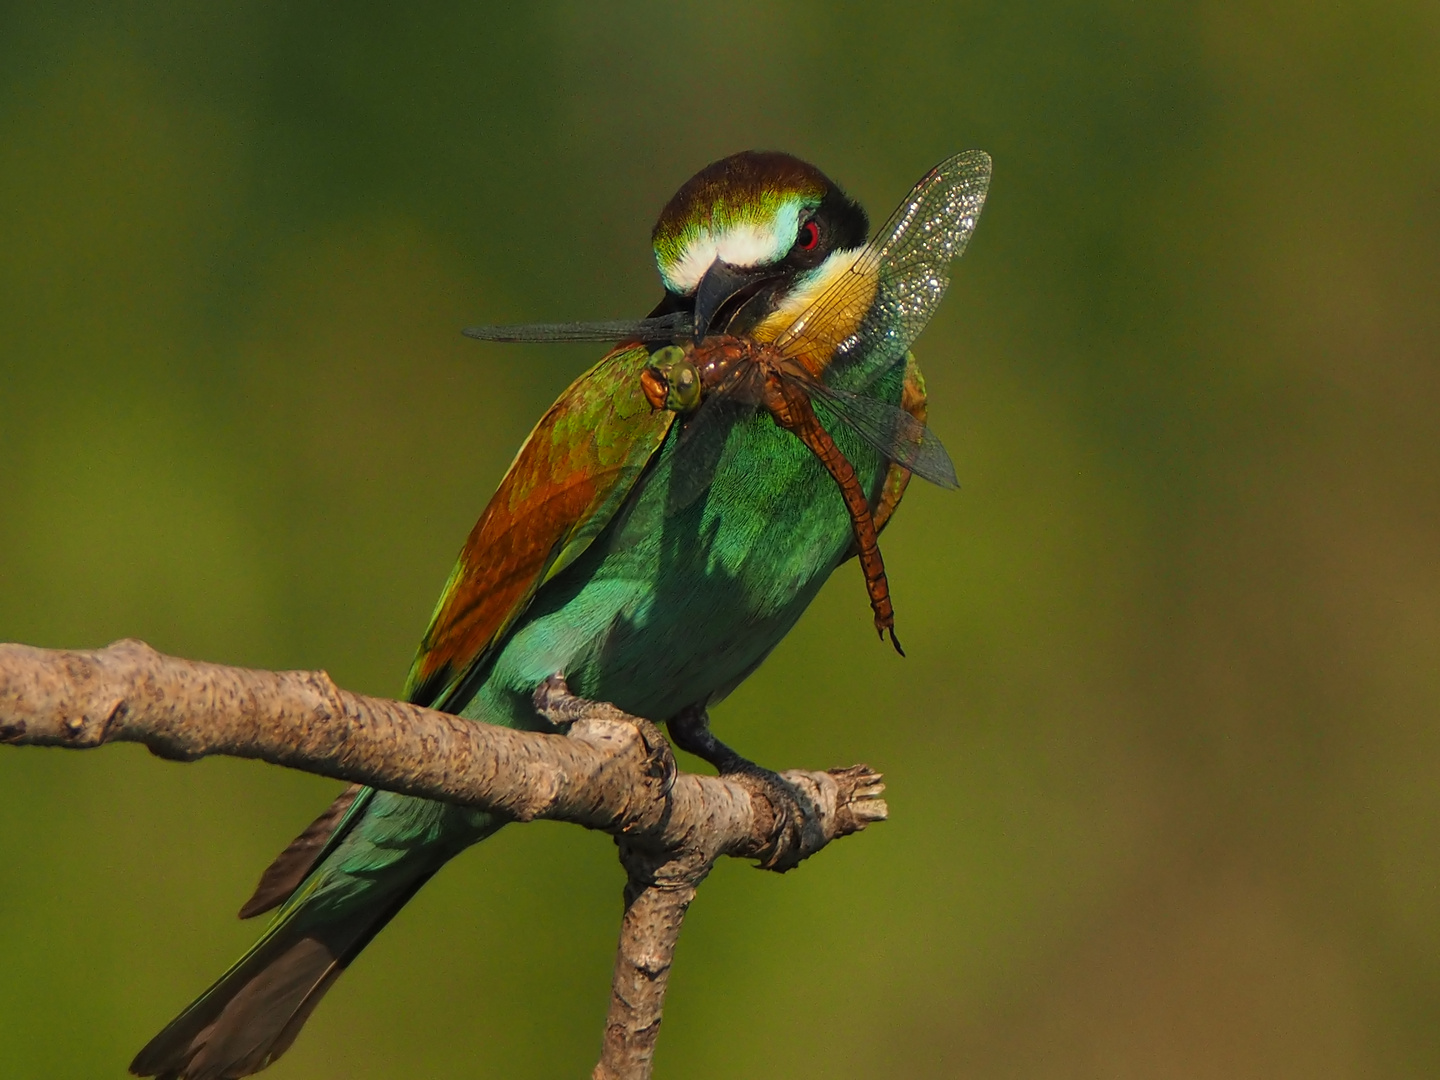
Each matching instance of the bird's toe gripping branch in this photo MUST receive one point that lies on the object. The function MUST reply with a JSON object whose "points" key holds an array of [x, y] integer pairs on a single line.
{"points": [[797, 812], [554, 701]]}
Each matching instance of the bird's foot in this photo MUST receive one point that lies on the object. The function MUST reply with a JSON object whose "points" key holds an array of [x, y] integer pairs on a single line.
{"points": [[690, 731], [793, 810], [554, 701]]}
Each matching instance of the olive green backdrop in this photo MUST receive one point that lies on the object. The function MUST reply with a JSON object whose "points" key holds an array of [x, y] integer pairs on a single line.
{"points": [[1164, 761]]}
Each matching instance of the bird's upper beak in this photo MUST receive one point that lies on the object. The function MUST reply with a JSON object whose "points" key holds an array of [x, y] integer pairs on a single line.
{"points": [[722, 283]]}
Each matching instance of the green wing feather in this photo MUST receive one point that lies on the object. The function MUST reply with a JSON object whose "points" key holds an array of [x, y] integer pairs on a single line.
{"points": [[572, 474]]}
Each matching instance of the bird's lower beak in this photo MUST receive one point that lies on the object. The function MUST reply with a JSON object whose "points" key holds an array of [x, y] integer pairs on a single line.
{"points": [[722, 283]]}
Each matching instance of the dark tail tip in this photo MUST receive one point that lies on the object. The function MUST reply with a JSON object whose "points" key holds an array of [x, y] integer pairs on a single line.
{"points": [[248, 1019]]}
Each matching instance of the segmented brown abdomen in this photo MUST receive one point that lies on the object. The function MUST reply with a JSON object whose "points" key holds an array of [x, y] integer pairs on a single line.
{"points": [[791, 408]]}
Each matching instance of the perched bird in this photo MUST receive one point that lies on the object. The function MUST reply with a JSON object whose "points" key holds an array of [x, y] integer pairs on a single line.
{"points": [[585, 564]]}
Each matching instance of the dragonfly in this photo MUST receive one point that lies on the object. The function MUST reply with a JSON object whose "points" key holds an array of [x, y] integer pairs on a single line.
{"points": [[816, 364]]}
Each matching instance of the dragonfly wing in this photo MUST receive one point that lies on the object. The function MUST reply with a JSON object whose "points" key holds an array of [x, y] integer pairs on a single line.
{"points": [[701, 448], [871, 315], [897, 477], [659, 328], [892, 431]]}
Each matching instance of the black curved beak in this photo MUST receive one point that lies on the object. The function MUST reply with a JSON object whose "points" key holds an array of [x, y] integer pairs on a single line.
{"points": [[723, 283]]}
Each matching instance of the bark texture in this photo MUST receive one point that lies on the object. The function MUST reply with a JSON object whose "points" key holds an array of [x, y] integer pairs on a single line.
{"points": [[608, 771]]}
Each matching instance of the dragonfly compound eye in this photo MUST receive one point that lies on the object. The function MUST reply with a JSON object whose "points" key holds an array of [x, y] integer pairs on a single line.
{"points": [[680, 377], [684, 386], [684, 383]]}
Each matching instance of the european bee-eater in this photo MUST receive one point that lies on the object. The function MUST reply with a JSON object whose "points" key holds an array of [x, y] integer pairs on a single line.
{"points": [[584, 564]]}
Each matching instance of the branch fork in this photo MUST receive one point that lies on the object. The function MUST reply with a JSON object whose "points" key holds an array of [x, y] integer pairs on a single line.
{"points": [[606, 770]]}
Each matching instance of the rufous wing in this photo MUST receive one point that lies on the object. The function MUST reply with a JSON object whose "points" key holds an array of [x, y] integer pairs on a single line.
{"points": [[572, 474]]}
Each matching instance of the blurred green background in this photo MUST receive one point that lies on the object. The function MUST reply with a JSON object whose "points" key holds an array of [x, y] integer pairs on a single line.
{"points": [[1164, 761]]}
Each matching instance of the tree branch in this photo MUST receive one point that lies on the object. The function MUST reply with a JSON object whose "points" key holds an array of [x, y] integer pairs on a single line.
{"points": [[609, 771]]}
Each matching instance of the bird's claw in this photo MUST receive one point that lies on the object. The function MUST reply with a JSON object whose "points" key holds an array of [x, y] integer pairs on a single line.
{"points": [[662, 765], [554, 701], [793, 811]]}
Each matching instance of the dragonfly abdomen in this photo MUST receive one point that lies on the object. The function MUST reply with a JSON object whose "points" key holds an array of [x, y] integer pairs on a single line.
{"points": [[791, 409]]}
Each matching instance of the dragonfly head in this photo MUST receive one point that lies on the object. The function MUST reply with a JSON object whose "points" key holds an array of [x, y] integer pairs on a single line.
{"points": [[671, 380], [743, 232]]}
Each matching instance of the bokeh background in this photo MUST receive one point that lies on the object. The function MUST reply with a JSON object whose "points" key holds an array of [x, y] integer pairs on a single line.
{"points": [[1164, 760]]}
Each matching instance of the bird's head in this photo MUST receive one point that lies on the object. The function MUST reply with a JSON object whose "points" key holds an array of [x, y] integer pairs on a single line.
{"points": [[752, 235]]}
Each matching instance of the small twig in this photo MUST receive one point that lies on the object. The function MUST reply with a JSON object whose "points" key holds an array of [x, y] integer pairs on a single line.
{"points": [[610, 771]]}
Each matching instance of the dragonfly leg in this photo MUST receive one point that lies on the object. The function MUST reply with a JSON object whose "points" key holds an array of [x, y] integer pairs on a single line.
{"points": [[791, 410]]}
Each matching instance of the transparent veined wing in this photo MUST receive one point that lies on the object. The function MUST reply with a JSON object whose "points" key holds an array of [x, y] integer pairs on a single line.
{"points": [[701, 448], [873, 313], [892, 431], [669, 327]]}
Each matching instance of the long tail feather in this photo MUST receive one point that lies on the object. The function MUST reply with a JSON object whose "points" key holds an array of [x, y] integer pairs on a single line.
{"points": [[253, 1013], [384, 848]]}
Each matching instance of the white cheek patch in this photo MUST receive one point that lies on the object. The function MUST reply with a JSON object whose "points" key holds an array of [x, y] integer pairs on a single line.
{"points": [[746, 243]]}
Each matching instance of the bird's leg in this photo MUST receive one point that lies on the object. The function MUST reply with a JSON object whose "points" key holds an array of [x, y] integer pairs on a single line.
{"points": [[690, 731]]}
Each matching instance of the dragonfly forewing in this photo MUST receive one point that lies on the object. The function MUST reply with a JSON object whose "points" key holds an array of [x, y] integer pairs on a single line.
{"points": [[660, 328], [867, 320]]}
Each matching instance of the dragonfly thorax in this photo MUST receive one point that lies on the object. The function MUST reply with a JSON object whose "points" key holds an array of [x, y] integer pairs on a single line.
{"points": [[680, 377]]}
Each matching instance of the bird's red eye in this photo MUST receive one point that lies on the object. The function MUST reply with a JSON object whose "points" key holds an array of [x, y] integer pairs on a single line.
{"points": [[809, 236]]}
